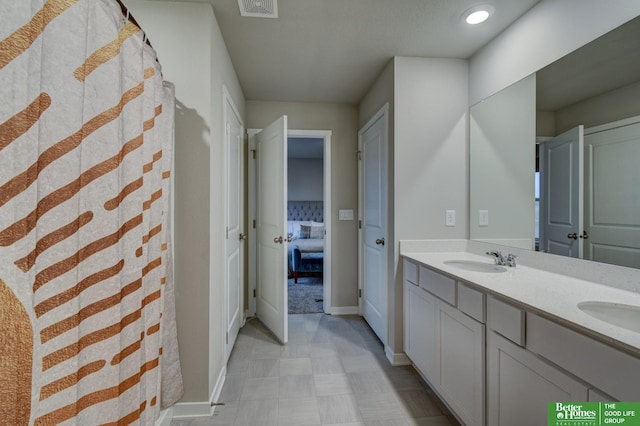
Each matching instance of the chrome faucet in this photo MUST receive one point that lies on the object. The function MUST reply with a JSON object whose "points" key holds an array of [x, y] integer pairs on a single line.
{"points": [[510, 260]]}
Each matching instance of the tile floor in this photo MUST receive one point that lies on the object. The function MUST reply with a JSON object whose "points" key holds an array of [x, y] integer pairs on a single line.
{"points": [[332, 372]]}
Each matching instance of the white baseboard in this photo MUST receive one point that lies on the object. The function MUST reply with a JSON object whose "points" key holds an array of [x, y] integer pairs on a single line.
{"points": [[165, 417], [183, 410], [217, 389], [343, 310], [396, 359]]}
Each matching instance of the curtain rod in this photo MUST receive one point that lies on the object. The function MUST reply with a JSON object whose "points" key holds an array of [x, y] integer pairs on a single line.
{"points": [[129, 16]]}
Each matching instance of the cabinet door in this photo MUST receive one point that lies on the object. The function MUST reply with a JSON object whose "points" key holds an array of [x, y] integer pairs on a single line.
{"points": [[461, 348], [421, 336], [520, 385]]}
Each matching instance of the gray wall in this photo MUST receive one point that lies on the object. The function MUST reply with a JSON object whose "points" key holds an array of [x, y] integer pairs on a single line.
{"points": [[193, 56], [305, 179], [428, 100], [430, 157], [342, 120]]}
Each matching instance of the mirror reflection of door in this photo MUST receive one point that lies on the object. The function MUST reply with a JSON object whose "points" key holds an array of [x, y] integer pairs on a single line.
{"points": [[612, 193], [561, 189]]}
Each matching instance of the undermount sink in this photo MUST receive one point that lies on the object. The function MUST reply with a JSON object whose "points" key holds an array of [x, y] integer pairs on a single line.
{"points": [[621, 315], [475, 266]]}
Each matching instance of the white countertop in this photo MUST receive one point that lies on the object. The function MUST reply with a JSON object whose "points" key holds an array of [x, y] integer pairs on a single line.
{"points": [[549, 294]]}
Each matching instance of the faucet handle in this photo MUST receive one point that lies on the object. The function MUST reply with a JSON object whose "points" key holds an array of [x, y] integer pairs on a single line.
{"points": [[511, 259], [497, 255]]}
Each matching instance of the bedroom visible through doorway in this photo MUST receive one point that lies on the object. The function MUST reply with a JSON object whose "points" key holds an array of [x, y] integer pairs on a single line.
{"points": [[254, 214], [305, 224]]}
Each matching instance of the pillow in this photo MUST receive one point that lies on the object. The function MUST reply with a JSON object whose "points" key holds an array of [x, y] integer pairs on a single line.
{"points": [[311, 232], [293, 227]]}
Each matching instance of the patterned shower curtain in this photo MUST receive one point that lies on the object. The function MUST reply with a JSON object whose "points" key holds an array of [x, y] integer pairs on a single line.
{"points": [[87, 322]]}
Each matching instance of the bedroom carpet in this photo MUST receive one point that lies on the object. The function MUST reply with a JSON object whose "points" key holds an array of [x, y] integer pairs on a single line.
{"points": [[304, 296]]}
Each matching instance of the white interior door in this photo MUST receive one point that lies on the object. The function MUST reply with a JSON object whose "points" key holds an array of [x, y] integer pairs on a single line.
{"points": [[373, 177], [234, 262], [271, 228], [612, 195], [561, 194]]}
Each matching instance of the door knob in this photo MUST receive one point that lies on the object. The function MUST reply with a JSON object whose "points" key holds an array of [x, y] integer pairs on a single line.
{"points": [[289, 239], [278, 240], [380, 241], [572, 236], [584, 235], [242, 237]]}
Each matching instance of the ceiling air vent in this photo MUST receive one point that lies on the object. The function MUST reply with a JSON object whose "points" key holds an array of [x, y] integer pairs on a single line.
{"points": [[259, 8]]}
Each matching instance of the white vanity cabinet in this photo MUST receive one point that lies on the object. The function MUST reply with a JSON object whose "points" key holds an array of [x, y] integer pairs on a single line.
{"points": [[530, 366], [460, 350], [420, 340], [520, 385], [446, 344], [498, 359]]}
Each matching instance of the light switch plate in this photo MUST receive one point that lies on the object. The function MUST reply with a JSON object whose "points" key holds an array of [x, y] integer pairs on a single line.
{"points": [[345, 214], [483, 217], [450, 218]]}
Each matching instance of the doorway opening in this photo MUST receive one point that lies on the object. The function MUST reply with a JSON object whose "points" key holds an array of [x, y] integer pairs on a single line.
{"points": [[321, 139], [305, 224]]}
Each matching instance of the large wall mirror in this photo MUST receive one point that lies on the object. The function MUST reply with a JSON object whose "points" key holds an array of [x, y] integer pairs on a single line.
{"points": [[555, 158]]}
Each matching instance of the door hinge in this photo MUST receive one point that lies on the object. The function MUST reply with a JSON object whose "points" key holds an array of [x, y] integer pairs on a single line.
{"points": [[254, 292], [254, 224], [227, 338], [359, 292], [359, 224], [227, 232], [359, 153], [253, 153]]}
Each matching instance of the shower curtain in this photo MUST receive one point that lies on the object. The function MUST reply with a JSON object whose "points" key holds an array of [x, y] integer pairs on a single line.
{"points": [[87, 322]]}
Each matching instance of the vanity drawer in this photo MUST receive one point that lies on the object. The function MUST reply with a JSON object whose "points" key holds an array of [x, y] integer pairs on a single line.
{"points": [[411, 272], [440, 285], [471, 302], [506, 320], [609, 369]]}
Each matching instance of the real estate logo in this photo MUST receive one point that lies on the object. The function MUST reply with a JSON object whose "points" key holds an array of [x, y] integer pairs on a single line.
{"points": [[593, 413], [575, 413]]}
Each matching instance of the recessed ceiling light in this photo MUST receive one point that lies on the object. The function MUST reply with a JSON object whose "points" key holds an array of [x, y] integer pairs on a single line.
{"points": [[478, 14]]}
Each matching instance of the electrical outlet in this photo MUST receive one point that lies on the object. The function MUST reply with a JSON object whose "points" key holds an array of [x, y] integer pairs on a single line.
{"points": [[450, 218], [483, 218]]}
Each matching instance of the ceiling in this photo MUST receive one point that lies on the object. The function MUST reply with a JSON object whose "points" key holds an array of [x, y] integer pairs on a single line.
{"points": [[333, 50]]}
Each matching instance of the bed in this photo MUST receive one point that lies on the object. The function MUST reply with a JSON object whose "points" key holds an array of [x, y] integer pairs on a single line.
{"points": [[305, 225]]}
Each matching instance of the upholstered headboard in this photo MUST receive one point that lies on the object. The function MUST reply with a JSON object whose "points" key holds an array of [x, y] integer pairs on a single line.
{"points": [[305, 210]]}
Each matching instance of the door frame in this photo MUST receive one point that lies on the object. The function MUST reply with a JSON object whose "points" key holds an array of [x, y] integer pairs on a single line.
{"points": [[384, 114], [251, 208], [227, 100]]}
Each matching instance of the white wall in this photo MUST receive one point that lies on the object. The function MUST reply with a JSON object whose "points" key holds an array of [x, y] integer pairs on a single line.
{"points": [[430, 157], [305, 179], [550, 30], [193, 56], [502, 166], [342, 120]]}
